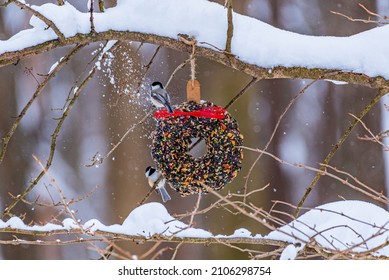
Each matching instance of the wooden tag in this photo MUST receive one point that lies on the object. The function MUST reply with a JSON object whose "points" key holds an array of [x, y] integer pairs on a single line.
{"points": [[193, 94]]}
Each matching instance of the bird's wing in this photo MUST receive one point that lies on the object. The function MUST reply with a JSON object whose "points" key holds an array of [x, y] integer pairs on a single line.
{"points": [[160, 98]]}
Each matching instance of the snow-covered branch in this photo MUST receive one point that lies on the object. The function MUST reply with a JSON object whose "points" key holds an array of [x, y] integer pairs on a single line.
{"points": [[343, 229], [351, 228], [257, 48]]}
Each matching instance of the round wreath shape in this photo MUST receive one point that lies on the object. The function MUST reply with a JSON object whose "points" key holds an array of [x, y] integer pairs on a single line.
{"points": [[170, 147]]}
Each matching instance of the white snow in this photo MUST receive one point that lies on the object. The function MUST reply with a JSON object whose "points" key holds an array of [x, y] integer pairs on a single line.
{"points": [[254, 42], [343, 225], [290, 252], [340, 225]]}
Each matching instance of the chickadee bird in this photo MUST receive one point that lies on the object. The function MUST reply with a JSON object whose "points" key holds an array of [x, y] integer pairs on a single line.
{"points": [[153, 175], [160, 97]]}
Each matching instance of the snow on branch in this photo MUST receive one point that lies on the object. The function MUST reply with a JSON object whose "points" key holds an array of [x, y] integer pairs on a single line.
{"points": [[257, 48], [37, 14], [342, 229]]}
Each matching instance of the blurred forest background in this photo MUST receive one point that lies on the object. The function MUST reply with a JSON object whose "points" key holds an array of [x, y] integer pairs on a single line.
{"points": [[113, 101]]}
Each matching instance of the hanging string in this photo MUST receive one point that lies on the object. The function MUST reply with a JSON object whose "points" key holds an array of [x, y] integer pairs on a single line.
{"points": [[190, 41], [193, 64]]}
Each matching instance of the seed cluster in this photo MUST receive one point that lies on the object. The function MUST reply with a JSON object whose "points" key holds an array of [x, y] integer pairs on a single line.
{"points": [[185, 173]]}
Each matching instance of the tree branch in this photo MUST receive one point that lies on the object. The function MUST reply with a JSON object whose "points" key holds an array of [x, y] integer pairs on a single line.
{"points": [[279, 72], [100, 235]]}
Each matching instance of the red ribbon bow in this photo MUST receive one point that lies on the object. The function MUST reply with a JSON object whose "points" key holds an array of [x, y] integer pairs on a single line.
{"points": [[214, 112]]}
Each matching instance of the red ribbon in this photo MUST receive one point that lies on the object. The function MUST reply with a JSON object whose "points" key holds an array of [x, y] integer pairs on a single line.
{"points": [[214, 112]]}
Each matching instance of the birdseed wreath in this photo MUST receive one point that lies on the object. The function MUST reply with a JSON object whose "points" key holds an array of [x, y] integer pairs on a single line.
{"points": [[216, 127]]}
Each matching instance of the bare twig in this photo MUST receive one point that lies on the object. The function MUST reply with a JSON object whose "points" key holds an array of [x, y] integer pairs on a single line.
{"points": [[373, 138], [147, 67], [230, 27], [99, 160], [151, 190], [196, 208], [384, 19], [36, 202], [65, 203], [252, 82], [370, 192], [372, 13], [176, 250], [91, 18], [179, 67], [76, 93], [37, 92], [336, 147], [101, 6], [292, 101]]}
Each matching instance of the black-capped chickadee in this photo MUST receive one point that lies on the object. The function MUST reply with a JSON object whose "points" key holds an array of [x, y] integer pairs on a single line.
{"points": [[160, 97], [153, 175]]}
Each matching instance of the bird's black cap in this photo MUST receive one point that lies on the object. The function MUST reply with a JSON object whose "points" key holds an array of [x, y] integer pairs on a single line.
{"points": [[157, 84], [150, 170]]}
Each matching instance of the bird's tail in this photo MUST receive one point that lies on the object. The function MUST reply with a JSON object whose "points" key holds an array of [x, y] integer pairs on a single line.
{"points": [[165, 196], [169, 108]]}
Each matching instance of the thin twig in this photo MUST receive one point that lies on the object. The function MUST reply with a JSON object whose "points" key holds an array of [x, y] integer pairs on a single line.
{"points": [[41, 86], [150, 251], [151, 190], [99, 160], [147, 67], [70, 102], [374, 138], [101, 6], [179, 67], [196, 208], [176, 250], [384, 18], [159, 253], [230, 27], [292, 101], [324, 172], [336, 147], [91, 18], [59, 190], [252, 82], [357, 181], [7, 210]]}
